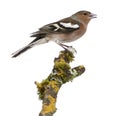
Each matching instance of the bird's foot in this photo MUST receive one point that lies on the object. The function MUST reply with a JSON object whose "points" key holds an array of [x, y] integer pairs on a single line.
{"points": [[69, 48]]}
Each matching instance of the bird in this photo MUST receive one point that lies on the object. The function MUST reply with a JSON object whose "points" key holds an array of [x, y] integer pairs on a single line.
{"points": [[65, 30]]}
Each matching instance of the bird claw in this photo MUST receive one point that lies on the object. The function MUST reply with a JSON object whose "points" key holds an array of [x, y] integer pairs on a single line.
{"points": [[71, 49]]}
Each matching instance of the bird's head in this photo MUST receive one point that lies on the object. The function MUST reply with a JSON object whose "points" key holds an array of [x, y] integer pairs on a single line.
{"points": [[84, 16]]}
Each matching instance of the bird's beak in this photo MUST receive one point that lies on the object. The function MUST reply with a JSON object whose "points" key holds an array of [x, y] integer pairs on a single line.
{"points": [[93, 16]]}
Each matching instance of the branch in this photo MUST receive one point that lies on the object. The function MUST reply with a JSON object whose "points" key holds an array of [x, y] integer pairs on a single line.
{"points": [[61, 73]]}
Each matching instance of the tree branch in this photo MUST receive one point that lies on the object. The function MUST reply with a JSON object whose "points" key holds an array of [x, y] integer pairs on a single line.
{"points": [[61, 73]]}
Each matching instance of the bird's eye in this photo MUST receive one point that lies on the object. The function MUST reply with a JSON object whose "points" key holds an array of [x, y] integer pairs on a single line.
{"points": [[85, 13]]}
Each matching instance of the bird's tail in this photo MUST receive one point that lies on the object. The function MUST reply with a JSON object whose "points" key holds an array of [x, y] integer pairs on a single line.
{"points": [[20, 51], [40, 39]]}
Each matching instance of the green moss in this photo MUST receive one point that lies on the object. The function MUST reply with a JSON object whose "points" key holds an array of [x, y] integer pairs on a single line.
{"points": [[67, 56]]}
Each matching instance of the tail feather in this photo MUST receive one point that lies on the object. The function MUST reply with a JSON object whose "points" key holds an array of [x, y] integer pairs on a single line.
{"points": [[20, 51], [40, 39]]}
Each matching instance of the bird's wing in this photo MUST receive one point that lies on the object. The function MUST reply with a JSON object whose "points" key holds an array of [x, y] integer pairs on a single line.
{"points": [[60, 27]]}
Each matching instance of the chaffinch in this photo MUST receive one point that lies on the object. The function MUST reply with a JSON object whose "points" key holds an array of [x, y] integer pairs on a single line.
{"points": [[62, 31]]}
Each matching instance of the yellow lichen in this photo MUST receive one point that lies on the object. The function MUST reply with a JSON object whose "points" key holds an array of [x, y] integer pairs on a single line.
{"points": [[54, 85], [47, 108]]}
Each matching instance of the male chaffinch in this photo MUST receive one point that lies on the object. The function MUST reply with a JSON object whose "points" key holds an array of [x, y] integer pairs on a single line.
{"points": [[62, 31]]}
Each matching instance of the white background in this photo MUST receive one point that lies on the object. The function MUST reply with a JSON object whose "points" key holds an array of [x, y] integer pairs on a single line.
{"points": [[95, 93]]}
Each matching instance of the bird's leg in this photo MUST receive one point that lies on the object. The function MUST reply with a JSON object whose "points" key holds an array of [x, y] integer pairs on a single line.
{"points": [[63, 45], [69, 48]]}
